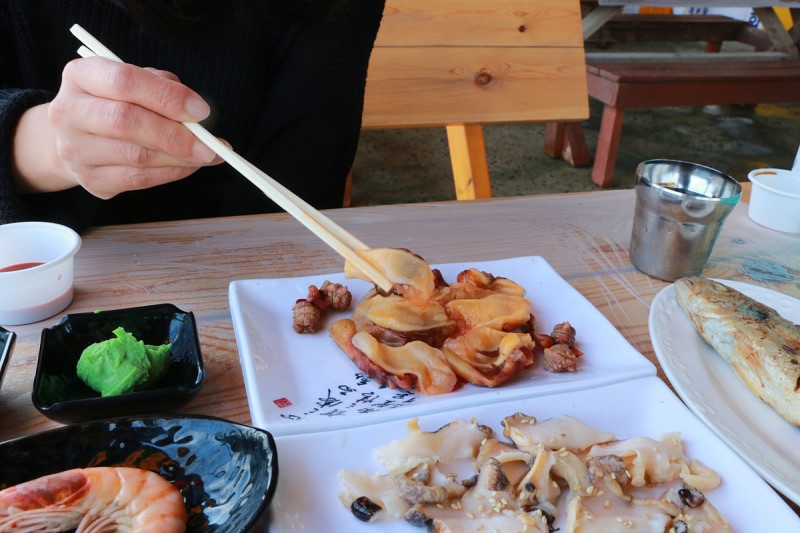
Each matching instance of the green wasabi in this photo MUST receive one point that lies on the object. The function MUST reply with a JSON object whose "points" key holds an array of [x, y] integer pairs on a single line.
{"points": [[123, 364]]}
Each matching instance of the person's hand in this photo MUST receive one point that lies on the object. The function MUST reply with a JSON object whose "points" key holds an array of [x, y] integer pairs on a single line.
{"points": [[111, 128]]}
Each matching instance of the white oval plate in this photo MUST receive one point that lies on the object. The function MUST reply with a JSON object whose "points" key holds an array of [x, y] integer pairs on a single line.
{"points": [[713, 391]]}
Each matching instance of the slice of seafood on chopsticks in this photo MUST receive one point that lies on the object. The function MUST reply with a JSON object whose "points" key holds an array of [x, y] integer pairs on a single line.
{"points": [[399, 270]]}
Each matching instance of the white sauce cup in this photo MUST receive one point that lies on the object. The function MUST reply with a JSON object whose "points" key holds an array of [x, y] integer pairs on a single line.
{"points": [[36, 270], [775, 199]]}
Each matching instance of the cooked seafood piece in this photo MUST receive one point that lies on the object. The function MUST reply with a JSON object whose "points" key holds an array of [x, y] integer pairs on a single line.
{"points": [[409, 273], [378, 489], [762, 347], [607, 514], [489, 505], [382, 497], [699, 476], [413, 365], [696, 512], [456, 440], [307, 312], [554, 434], [475, 284], [504, 312], [538, 486], [516, 463], [560, 358], [506, 521], [394, 321], [94, 500], [480, 327], [511, 489], [488, 357], [649, 460]]}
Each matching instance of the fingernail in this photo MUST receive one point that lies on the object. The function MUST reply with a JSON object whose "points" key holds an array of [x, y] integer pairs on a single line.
{"points": [[203, 153], [197, 108]]}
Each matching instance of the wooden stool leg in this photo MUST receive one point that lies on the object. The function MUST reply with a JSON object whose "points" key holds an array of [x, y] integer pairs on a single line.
{"points": [[566, 140], [575, 151], [468, 158], [607, 145], [554, 135]]}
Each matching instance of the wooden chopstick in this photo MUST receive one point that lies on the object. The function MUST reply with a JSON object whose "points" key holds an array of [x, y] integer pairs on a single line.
{"points": [[343, 242]]}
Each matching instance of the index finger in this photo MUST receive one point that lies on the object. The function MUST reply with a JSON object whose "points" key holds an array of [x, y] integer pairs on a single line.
{"points": [[128, 83]]}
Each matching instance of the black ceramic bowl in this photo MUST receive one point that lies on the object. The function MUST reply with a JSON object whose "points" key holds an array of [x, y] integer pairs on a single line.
{"points": [[6, 344], [60, 394], [227, 472]]}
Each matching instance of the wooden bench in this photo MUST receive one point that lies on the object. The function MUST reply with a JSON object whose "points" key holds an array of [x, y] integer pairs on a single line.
{"points": [[768, 74], [712, 29], [462, 64], [628, 85]]}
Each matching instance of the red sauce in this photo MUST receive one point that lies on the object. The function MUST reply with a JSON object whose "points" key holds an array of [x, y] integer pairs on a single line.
{"points": [[19, 266]]}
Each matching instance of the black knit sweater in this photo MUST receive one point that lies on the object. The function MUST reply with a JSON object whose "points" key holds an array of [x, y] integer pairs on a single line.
{"points": [[286, 92]]}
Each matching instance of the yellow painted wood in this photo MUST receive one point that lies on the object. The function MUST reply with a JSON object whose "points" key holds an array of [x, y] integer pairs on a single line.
{"points": [[468, 157], [785, 17]]}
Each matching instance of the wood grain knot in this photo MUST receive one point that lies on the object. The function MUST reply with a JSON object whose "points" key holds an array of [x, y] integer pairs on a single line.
{"points": [[521, 29], [483, 78]]}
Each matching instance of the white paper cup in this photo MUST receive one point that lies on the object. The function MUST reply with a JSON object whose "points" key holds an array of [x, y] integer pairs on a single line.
{"points": [[36, 270], [775, 199]]}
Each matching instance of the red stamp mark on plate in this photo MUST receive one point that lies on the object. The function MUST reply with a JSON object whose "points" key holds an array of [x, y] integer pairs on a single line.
{"points": [[282, 402]]}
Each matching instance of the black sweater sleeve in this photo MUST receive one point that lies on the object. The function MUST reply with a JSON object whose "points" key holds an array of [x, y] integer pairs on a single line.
{"points": [[13, 103], [286, 92]]}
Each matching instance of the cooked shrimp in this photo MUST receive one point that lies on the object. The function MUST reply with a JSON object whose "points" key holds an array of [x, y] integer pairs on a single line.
{"points": [[94, 500]]}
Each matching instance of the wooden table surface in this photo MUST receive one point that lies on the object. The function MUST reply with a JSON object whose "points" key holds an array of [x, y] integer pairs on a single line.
{"points": [[584, 236]]}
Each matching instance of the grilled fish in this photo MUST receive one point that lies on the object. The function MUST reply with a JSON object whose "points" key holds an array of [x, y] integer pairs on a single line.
{"points": [[762, 347]]}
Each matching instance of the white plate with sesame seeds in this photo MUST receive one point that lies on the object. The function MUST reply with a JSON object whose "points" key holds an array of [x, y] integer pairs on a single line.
{"points": [[303, 383], [307, 498]]}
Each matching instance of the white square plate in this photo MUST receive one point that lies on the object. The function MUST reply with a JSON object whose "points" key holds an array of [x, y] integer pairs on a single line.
{"points": [[307, 495], [305, 383]]}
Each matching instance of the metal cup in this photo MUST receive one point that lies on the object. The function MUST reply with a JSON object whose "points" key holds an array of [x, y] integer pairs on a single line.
{"points": [[680, 208]]}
